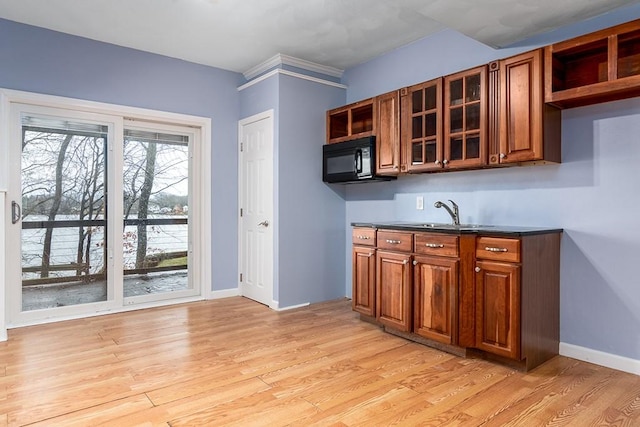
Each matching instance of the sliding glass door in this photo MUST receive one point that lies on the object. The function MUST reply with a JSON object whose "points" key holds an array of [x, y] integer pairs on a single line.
{"points": [[100, 213]]}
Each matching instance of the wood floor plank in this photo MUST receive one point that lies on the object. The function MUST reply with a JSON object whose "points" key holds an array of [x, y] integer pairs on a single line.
{"points": [[236, 362]]}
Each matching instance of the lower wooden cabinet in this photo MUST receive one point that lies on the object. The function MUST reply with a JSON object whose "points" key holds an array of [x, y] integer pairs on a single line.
{"points": [[393, 290], [498, 308], [364, 280], [435, 283], [496, 294]]}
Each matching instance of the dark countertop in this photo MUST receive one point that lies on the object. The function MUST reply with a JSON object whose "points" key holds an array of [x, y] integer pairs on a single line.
{"points": [[485, 230]]}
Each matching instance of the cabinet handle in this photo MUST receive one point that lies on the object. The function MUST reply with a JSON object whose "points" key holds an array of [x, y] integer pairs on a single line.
{"points": [[405, 262], [445, 162], [490, 249], [415, 262], [503, 156], [437, 162], [363, 237], [394, 242], [478, 269], [370, 255], [434, 245]]}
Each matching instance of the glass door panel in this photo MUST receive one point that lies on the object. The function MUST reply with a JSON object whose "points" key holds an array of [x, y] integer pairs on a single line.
{"points": [[64, 215], [156, 214]]}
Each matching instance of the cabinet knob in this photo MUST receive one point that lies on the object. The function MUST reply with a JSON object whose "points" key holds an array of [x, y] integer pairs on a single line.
{"points": [[405, 262], [478, 269], [395, 168], [445, 162], [370, 254], [437, 162], [503, 156], [415, 262]]}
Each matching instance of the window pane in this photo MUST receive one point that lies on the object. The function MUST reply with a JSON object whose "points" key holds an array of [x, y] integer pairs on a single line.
{"points": [[473, 147], [456, 148], [417, 127], [416, 153], [416, 101], [64, 213], [156, 194]]}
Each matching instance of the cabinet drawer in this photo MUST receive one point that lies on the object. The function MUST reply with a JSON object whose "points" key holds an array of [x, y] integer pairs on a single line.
{"points": [[364, 236], [499, 249], [396, 241], [436, 244]]}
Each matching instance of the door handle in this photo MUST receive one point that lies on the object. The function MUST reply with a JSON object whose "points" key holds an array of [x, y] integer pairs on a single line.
{"points": [[16, 212], [264, 223]]}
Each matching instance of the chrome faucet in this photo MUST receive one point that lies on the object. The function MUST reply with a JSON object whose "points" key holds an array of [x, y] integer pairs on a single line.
{"points": [[455, 213]]}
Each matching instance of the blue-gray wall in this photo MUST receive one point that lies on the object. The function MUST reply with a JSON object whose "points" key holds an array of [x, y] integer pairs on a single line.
{"points": [[593, 194], [309, 215], [38, 60]]}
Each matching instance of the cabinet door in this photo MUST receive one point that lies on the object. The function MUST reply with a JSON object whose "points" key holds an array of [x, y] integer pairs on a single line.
{"points": [[498, 308], [393, 290], [465, 119], [435, 281], [351, 121], [421, 119], [521, 103], [388, 134], [364, 280]]}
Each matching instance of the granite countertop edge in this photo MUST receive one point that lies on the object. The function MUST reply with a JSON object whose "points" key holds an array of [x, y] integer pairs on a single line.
{"points": [[485, 230]]}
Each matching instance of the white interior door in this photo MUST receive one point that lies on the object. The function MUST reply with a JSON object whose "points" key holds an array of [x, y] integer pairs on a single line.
{"points": [[256, 207]]}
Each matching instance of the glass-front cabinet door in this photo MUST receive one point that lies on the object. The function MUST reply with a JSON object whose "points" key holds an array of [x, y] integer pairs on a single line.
{"points": [[465, 118], [422, 133]]}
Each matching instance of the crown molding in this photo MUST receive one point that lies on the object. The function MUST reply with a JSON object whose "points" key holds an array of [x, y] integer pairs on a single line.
{"points": [[281, 59], [279, 71]]}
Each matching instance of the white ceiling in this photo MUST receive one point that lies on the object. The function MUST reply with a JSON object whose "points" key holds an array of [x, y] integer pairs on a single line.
{"points": [[236, 35]]}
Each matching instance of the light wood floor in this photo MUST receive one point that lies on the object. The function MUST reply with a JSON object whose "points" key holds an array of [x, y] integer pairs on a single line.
{"points": [[235, 362]]}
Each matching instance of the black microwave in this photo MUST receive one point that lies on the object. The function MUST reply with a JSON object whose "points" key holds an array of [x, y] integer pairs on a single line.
{"points": [[351, 161]]}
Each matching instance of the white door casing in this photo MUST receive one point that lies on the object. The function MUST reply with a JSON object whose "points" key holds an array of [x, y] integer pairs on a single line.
{"points": [[256, 223]]}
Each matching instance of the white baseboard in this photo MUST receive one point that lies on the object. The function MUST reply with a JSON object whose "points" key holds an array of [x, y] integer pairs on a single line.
{"points": [[224, 293], [275, 306], [601, 358]]}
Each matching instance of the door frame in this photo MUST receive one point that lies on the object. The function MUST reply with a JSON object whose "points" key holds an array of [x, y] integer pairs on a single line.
{"points": [[270, 115], [201, 189]]}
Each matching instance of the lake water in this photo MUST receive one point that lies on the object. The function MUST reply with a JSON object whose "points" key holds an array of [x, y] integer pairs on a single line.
{"points": [[64, 245]]}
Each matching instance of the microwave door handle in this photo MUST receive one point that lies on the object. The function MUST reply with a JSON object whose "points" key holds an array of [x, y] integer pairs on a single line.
{"points": [[358, 161]]}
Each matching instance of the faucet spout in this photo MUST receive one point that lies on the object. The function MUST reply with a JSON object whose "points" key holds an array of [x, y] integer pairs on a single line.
{"points": [[454, 211]]}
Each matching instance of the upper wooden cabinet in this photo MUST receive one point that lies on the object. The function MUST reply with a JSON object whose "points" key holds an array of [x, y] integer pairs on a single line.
{"points": [[521, 127], [421, 127], [351, 121], [598, 67], [388, 133], [465, 119]]}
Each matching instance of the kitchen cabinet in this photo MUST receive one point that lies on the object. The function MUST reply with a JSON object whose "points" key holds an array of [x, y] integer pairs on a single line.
{"points": [[471, 291], [435, 282], [598, 67], [364, 271], [421, 127], [388, 156], [394, 295], [465, 119], [351, 121], [521, 127]]}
